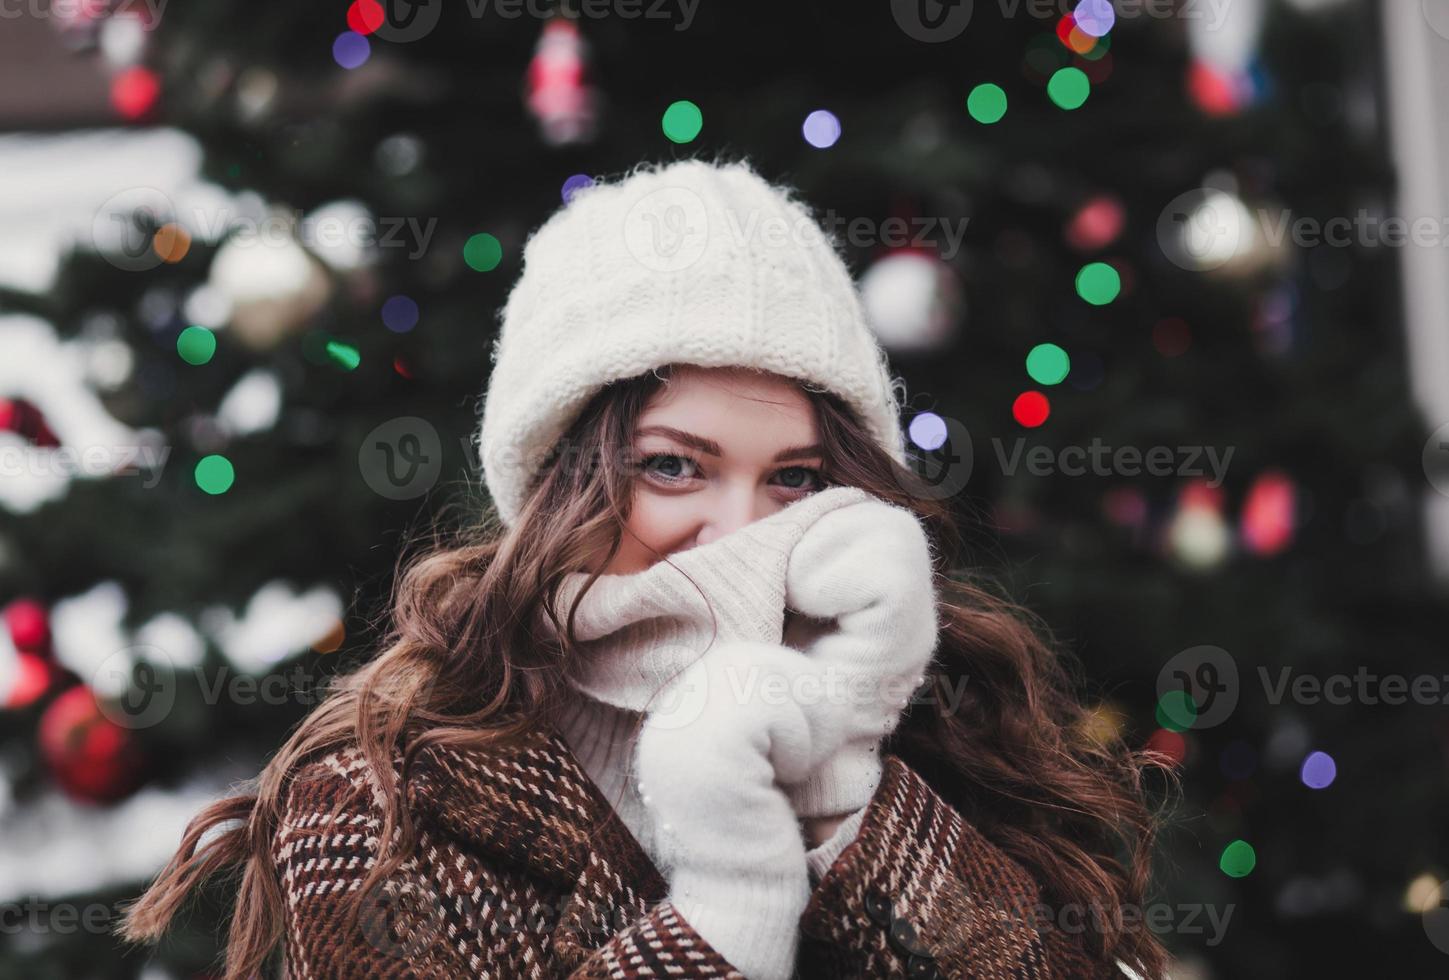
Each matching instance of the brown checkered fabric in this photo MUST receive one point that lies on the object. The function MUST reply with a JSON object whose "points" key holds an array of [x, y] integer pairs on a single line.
{"points": [[524, 871]]}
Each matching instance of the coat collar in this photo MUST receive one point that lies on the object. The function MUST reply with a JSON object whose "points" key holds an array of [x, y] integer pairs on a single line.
{"points": [[530, 805]]}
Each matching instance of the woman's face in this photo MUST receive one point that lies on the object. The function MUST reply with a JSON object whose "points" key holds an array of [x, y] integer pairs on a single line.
{"points": [[717, 448]]}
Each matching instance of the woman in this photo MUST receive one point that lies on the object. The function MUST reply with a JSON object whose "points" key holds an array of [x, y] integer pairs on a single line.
{"points": [[708, 703]]}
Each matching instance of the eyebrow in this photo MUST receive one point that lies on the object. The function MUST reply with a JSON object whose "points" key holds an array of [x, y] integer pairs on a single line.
{"points": [[712, 448]]}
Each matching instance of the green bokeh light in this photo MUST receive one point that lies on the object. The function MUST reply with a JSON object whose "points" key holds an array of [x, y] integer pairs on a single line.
{"points": [[986, 103], [344, 355], [482, 252], [1098, 283], [1238, 859], [682, 121], [214, 474], [1069, 88], [196, 345], [1048, 364], [1176, 711]]}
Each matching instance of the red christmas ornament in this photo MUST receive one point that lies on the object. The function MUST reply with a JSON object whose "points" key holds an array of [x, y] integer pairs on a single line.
{"points": [[24, 679], [29, 626], [1216, 93], [1169, 743], [1096, 224], [94, 759], [1031, 409], [1268, 520], [134, 91], [25, 420], [365, 16]]}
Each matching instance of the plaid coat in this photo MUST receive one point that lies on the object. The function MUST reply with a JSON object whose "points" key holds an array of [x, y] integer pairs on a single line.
{"points": [[523, 870]]}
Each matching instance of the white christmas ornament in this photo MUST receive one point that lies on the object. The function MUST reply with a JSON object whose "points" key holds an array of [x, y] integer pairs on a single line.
{"points": [[342, 234], [271, 282], [912, 301], [1227, 36], [277, 623], [253, 403]]}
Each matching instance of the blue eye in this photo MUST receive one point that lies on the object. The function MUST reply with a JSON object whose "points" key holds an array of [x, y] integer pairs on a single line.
{"points": [[676, 468], [647, 463], [809, 472]]}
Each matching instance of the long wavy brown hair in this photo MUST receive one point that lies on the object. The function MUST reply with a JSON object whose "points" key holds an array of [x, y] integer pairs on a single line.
{"points": [[1010, 744]]}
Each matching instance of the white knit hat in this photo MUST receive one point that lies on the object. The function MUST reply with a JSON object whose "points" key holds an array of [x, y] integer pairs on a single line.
{"points": [[692, 262]]}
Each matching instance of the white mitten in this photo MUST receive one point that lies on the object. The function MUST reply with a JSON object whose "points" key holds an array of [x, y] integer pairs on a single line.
{"points": [[727, 837], [867, 566]]}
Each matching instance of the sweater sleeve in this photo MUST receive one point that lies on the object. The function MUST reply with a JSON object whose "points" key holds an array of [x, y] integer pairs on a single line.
{"points": [[819, 859], [920, 893]]}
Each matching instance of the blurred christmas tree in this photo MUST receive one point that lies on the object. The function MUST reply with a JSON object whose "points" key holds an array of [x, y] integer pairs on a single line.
{"points": [[261, 367]]}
